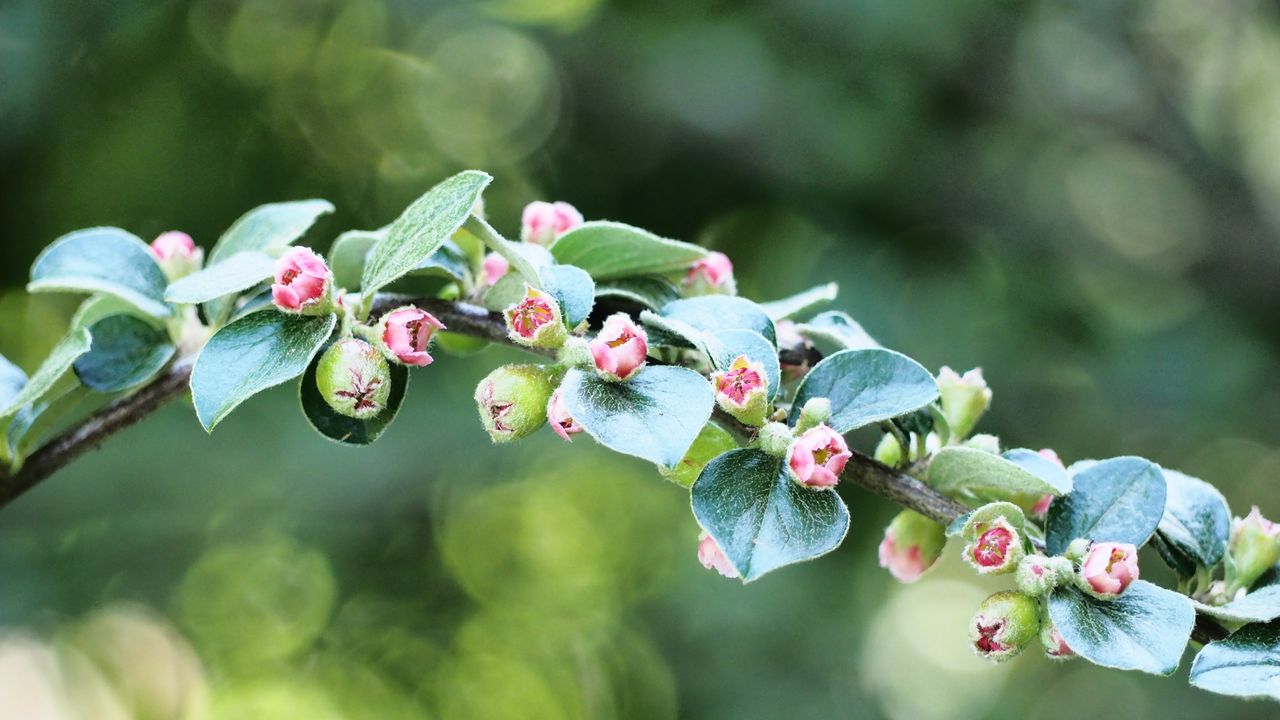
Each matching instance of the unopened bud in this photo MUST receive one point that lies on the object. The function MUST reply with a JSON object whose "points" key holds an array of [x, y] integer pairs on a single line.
{"points": [[303, 283], [964, 399], [495, 266], [815, 412], [1004, 625], [912, 544], [405, 333], [1108, 569], [559, 419], [816, 458], [1038, 574], [1055, 647], [1254, 549], [620, 348], [993, 538], [542, 223], [354, 379], [176, 254], [1076, 550], [889, 451], [513, 401], [742, 391], [712, 274], [535, 320]]}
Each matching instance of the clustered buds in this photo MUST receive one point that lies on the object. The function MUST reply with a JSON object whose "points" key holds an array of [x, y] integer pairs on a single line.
{"points": [[535, 320], [817, 457], [1037, 574], [405, 333], [559, 418], [177, 254], [620, 348], [709, 275], [354, 379], [1004, 625], [964, 399], [1254, 548], [1108, 568], [712, 557], [303, 283], [912, 544], [513, 401], [543, 223], [742, 390], [495, 266]]}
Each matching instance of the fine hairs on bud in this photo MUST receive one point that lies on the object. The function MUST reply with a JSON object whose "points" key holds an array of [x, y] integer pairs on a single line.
{"points": [[815, 412], [774, 438]]}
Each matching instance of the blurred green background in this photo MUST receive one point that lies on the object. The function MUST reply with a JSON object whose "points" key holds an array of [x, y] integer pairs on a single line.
{"points": [[1079, 197]]}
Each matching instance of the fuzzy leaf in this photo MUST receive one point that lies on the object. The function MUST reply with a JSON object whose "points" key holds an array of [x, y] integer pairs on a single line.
{"points": [[972, 474], [347, 430], [574, 290], [249, 355], [711, 442], [59, 361], [233, 275], [649, 291], [715, 313], [1146, 628], [1116, 500], [656, 415], [1245, 665], [801, 303], [422, 229], [102, 260], [268, 227], [97, 307], [1042, 467], [760, 518], [866, 386], [1196, 519], [1262, 604], [609, 250], [125, 353], [833, 331]]}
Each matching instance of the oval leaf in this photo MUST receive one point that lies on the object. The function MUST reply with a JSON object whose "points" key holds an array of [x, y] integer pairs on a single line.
{"points": [[972, 474], [1145, 629], [649, 291], [1116, 500], [610, 250], [710, 443], [348, 254], [801, 303], [1260, 605], [348, 430], [423, 228], [268, 227], [573, 288], [715, 313], [1196, 519], [526, 259], [251, 354], [125, 353], [233, 275], [58, 362], [102, 260], [1246, 665], [97, 307], [833, 331], [655, 415], [866, 386], [760, 518], [1042, 467]]}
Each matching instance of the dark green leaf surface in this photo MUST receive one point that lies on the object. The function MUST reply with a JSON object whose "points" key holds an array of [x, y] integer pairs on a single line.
{"points": [[1262, 604], [801, 303], [251, 354], [972, 474], [833, 331], [423, 228], [574, 290], [650, 291], [1196, 519], [1146, 628], [1246, 665], [1116, 500], [125, 353], [102, 260], [97, 307], [866, 386], [55, 365], [448, 261], [656, 415], [609, 250], [343, 429], [233, 275], [715, 313], [760, 518]]}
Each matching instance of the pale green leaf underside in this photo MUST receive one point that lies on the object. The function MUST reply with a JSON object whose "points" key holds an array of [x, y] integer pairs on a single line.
{"points": [[609, 250], [58, 362], [102, 260], [973, 474], [268, 227], [235, 274], [802, 302]]}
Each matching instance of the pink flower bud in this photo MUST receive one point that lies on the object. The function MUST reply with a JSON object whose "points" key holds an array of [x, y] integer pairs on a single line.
{"points": [[1004, 625], [177, 254], [495, 266], [303, 282], [405, 333], [1055, 647], [710, 555], [1109, 568], [559, 419], [619, 349], [1042, 505], [354, 379], [543, 223], [912, 544], [713, 273], [741, 391], [1254, 549], [1051, 456], [535, 320], [817, 457]]}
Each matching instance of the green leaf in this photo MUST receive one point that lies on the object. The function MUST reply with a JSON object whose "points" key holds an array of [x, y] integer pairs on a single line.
{"points": [[343, 429], [35, 423], [448, 261], [727, 345], [526, 259], [1042, 467], [1259, 605], [102, 260], [656, 415], [609, 250], [866, 386], [1116, 500], [801, 303], [125, 353], [97, 307], [251, 354], [508, 291], [711, 442], [833, 331], [976, 475], [12, 379], [422, 229], [573, 288], [760, 518], [1245, 665], [715, 313], [233, 275], [1196, 519], [348, 254], [1146, 628], [59, 361], [268, 227], [650, 291]]}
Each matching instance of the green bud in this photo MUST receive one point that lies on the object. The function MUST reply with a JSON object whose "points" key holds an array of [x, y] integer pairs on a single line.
{"points": [[1077, 550], [964, 399], [912, 544], [1038, 574], [1055, 647], [576, 353], [815, 412], [1004, 625], [1254, 549], [985, 443], [513, 400], [775, 438], [889, 451], [354, 379]]}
